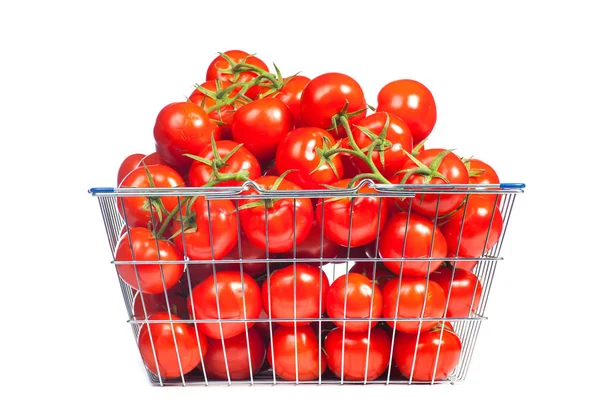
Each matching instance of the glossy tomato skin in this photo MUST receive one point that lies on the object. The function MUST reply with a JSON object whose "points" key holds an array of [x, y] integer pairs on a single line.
{"points": [[399, 137], [150, 159], [235, 355], [280, 286], [304, 341], [230, 300], [413, 103], [410, 303], [382, 274], [481, 173], [261, 125], [166, 349], [280, 219], [427, 351], [237, 56], [355, 353], [129, 164], [222, 115], [291, 93], [362, 300], [311, 247], [365, 216], [463, 288], [147, 248], [298, 152], [242, 160], [326, 95], [182, 128], [412, 236]]}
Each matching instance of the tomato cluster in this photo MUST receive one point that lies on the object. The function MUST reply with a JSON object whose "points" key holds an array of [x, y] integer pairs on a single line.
{"points": [[268, 298]]}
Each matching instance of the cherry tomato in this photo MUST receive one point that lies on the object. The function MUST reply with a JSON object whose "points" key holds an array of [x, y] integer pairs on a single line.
{"points": [[129, 164], [237, 56], [311, 247], [223, 115], [155, 303], [291, 93], [302, 342], [463, 288], [481, 173]]}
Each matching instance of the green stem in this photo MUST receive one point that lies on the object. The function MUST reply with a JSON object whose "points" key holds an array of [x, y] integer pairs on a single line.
{"points": [[170, 216]]}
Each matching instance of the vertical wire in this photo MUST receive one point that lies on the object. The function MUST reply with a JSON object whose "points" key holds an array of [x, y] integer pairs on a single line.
{"points": [[295, 278], [269, 292], [321, 283], [346, 288]]}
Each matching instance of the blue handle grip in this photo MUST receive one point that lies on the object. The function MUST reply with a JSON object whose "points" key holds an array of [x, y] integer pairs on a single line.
{"points": [[101, 190], [512, 186]]}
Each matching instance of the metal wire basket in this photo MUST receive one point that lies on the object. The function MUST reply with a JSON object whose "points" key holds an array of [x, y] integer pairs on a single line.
{"points": [[466, 327]]}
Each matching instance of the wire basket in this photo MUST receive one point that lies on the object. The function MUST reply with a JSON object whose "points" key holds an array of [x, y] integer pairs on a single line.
{"points": [[414, 346]]}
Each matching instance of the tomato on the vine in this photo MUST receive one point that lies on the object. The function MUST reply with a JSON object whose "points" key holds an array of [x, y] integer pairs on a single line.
{"points": [[237, 56], [365, 268], [291, 93], [129, 164], [303, 342], [463, 288], [235, 357], [150, 159], [481, 173], [222, 115]]}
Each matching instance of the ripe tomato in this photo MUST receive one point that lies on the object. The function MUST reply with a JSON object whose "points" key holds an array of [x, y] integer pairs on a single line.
{"points": [[280, 218], [481, 173], [311, 247], [285, 344], [157, 303], [362, 301], [299, 152], [226, 301], [291, 93], [382, 274], [182, 128], [261, 125], [147, 248], [427, 349], [241, 160], [410, 303], [355, 353], [135, 210], [248, 252], [466, 290], [326, 95], [150, 159], [450, 166], [412, 102], [223, 115], [236, 351], [398, 139], [167, 349], [414, 237], [364, 217], [237, 56], [308, 294], [129, 164]]}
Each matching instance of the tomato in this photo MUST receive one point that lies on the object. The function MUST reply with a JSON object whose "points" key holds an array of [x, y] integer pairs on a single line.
{"points": [[480, 230], [481, 173], [449, 347], [450, 166], [182, 128], [261, 125], [361, 299], [311, 247], [412, 236], [352, 165], [410, 303], [150, 159], [155, 303], [382, 274], [279, 217], [160, 336], [241, 160], [308, 293], [248, 252], [223, 115], [397, 140], [364, 217], [236, 351], [412, 102], [129, 164], [355, 353], [147, 248], [326, 95], [227, 304], [464, 290], [291, 93], [302, 342], [135, 210], [237, 56], [299, 152]]}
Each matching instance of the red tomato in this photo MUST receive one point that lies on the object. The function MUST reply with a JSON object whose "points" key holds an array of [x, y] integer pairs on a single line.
{"points": [[223, 115], [167, 350], [155, 303], [481, 173], [182, 128], [326, 95], [261, 125], [150, 159], [465, 293], [308, 295], [446, 341], [362, 301], [398, 139], [299, 152], [410, 303], [228, 304], [241, 160], [147, 248], [291, 93], [382, 274], [355, 353], [364, 217], [303, 342], [450, 166], [237, 56], [248, 252], [414, 237], [236, 350], [311, 247], [129, 164], [280, 218], [135, 210], [412, 102]]}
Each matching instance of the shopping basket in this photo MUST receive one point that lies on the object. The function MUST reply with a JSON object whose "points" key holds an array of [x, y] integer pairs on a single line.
{"points": [[466, 327]]}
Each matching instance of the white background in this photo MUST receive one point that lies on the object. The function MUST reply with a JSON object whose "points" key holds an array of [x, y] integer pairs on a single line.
{"points": [[516, 84]]}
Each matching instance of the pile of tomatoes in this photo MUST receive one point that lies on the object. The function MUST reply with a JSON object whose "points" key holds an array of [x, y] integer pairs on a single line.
{"points": [[246, 123]]}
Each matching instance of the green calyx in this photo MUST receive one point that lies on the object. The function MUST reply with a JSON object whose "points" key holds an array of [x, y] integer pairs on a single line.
{"points": [[427, 171], [325, 157], [268, 203]]}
